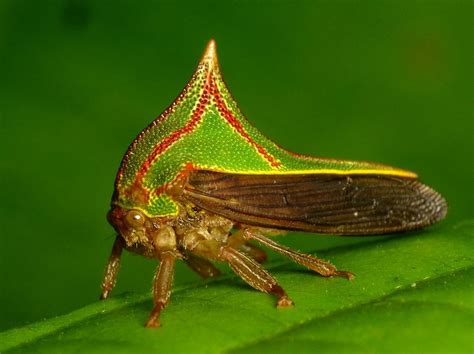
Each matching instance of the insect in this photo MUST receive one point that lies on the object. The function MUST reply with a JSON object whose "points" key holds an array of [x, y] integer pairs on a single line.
{"points": [[200, 183]]}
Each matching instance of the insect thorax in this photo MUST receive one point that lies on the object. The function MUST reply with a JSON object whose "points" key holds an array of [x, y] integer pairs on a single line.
{"points": [[192, 230]]}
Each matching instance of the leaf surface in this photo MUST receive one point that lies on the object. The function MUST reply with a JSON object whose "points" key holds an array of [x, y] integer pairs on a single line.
{"points": [[412, 293]]}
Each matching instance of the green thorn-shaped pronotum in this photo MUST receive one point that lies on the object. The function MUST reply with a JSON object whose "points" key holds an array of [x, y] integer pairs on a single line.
{"points": [[204, 129]]}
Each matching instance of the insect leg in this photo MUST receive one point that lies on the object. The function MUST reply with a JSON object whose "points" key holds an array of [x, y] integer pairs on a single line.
{"points": [[238, 241], [112, 268], [324, 268], [162, 287], [255, 252], [202, 266], [253, 273]]}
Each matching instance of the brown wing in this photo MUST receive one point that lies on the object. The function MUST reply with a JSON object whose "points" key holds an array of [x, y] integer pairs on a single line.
{"points": [[323, 203]]}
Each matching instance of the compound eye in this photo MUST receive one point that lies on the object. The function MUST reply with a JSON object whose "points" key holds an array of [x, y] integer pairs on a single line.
{"points": [[135, 218]]}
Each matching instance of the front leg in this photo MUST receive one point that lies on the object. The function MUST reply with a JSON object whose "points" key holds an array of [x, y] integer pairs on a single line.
{"points": [[162, 287], [112, 268]]}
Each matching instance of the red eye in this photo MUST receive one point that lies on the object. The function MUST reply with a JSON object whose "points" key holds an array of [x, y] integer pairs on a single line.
{"points": [[135, 218]]}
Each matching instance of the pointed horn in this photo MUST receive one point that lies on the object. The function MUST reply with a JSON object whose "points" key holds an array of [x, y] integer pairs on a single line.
{"points": [[210, 55]]}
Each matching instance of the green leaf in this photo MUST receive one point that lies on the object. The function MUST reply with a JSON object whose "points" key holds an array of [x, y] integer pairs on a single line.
{"points": [[412, 293]]}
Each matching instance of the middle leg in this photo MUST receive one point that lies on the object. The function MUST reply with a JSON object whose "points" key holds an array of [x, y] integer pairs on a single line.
{"points": [[255, 252], [201, 266], [254, 275]]}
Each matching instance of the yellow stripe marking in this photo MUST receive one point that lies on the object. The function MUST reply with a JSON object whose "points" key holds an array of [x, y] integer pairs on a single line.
{"points": [[398, 173]]}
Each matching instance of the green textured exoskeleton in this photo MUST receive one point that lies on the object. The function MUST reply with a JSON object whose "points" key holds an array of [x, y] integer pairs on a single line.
{"points": [[200, 182]]}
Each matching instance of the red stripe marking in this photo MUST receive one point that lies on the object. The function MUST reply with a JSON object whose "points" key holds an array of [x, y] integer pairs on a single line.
{"points": [[181, 176], [227, 114], [170, 109], [176, 135], [210, 88]]}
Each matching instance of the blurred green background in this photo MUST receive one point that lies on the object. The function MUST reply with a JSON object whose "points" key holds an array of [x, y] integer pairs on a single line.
{"points": [[388, 81]]}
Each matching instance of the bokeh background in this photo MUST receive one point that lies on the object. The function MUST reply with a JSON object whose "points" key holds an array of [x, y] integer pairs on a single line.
{"points": [[388, 81]]}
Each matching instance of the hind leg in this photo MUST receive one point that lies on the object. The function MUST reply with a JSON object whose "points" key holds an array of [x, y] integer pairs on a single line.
{"points": [[324, 268], [238, 241]]}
